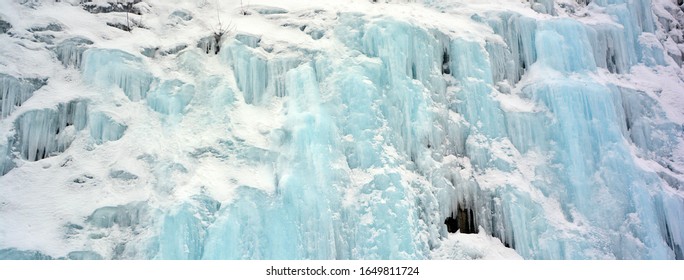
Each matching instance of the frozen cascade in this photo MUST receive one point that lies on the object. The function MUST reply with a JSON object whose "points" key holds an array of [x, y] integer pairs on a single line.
{"points": [[130, 220], [105, 67], [573, 138], [42, 133], [6, 163], [563, 45], [249, 40], [645, 126], [184, 231], [279, 226], [209, 44], [258, 76], [15, 92], [405, 106], [366, 149], [518, 34], [103, 128], [611, 50], [70, 51]]}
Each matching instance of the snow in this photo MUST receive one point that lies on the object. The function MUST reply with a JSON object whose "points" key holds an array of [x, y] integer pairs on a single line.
{"points": [[473, 247], [341, 130]]}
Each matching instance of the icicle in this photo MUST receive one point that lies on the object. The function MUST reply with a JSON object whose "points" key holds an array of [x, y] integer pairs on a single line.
{"points": [[42, 133], [6, 163], [519, 34], [611, 49], [105, 68], [210, 44], [258, 77], [14, 92], [70, 51]]}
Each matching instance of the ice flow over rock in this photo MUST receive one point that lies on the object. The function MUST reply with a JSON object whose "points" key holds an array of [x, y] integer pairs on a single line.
{"points": [[361, 142]]}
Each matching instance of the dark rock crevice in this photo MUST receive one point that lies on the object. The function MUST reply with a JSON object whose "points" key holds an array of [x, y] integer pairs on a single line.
{"points": [[463, 219]]}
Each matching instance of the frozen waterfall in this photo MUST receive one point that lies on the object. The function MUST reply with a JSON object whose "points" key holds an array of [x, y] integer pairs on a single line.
{"points": [[328, 133]]}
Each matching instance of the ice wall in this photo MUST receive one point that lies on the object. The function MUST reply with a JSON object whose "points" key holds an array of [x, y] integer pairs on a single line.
{"points": [[15, 92], [383, 96], [365, 146], [42, 133], [70, 51], [106, 68], [103, 128], [258, 76], [577, 126]]}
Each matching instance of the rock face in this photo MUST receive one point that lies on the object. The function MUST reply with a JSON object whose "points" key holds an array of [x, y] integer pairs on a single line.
{"points": [[4, 26]]}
